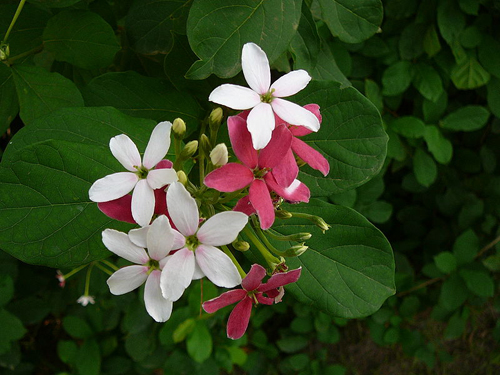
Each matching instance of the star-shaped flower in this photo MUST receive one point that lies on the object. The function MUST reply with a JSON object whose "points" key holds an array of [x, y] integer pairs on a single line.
{"points": [[264, 98], [85, 300]]}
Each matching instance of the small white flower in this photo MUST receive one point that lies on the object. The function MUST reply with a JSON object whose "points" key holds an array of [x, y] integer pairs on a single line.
{"points": [[198, 255], [142, 177], [219, 155], [85, 300], [264, 98]]}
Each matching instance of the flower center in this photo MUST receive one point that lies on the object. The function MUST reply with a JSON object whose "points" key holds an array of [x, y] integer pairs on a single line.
{"points": [[267, 97], [259, 173], [153, 265], [142, 171], [192, 242]]}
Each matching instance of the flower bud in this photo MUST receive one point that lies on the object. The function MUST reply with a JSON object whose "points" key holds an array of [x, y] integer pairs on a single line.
{"points": [[295, 251], [320, 223], [205, 145], [219, 155], [241, 245], [4, 51], [215, 118], [179, 128], [283, 214], [189, 150], [181, 175]]}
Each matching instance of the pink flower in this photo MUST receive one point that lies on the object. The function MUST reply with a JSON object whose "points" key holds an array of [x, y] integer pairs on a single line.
{"points": [[252, 293]]}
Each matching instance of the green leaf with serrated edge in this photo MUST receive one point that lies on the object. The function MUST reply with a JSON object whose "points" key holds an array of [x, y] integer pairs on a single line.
{"points": [[9, 106], [305, 45], [478, 282], [466, 247], [451, 20], [489, 55], [397, 78], [494, 96], [351, 138], [439, 146], [151, 24], [468, 118], [144, 97], [446, 262], [199, 342], [352, 22], [88, 359], [81, 38], [469, 74], [431, 41], [349, 270], [40, 92], [427, 81], [408, 126], [424, 168], [217, 30]]}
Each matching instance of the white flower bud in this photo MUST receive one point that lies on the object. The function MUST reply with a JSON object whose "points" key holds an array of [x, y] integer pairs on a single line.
{"points": [[219, 155]]}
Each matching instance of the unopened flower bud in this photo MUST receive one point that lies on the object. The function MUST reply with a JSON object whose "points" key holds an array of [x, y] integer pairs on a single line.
{"points": [[321, 223], [295, 251], [181, 175], [205, 145], [215, 118], [189, 150], [179, 128], [219, 155], [241, 245], [283, 214], [4, 51]]}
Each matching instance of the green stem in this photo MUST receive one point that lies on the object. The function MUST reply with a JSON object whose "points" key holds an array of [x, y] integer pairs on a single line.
{"points": [[87, 279], [103, 269], [177, 147], [263, 237], [110, 265], [72, 272], [24, 54], [271, 260], [201, 167], [14, 19], [230, 255]]}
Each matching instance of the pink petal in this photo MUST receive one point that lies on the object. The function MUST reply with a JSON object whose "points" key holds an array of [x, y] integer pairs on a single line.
{"points": [[296, 192], [182, 209], [229, 177], [125, 151], [161, 203], [290, 84], [225, 299], [264, 300], [222, 228], [157, 307], [237, 323], [256, 68], [310, 156], [235, 97], [217, 266], [241, 141], [280, 279], [294, 114], [165, 163], [120, 244], [158, 178], [127, 279], [118, 209], [287, 170], [112, 186], [158, 144], [299, 131], [143, 203], [261, 201], [244, 205], [177, 274], [260, 124], [254, 278], [277, 148]]}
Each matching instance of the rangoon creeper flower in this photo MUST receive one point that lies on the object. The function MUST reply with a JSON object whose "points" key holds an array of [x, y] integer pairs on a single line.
{"points": [[252, 293], [85, 300], [264, 98], [159, 240], [219, 155], [142, 177], [198, 255]]}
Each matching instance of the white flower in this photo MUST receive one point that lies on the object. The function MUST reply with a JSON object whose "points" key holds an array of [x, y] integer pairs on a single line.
{"points": [[198, 255], [85, 300], [158, 238], [142, 178], [264, 98]]}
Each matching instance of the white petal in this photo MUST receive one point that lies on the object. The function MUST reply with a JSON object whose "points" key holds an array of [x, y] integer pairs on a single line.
{"points": [[160, 238], [158, 307], [260, 124], [235, 97], [290, 84], [127, 279], [182, 209], [179, 240], [158, 144], [120, 244], [112, 186], [222, 229], [143, 203], [294, 114], [217, 266], [139, 236], [177, 274], [125, 151], [255, 68], [198, 273], [164, 261], [161, 177]]}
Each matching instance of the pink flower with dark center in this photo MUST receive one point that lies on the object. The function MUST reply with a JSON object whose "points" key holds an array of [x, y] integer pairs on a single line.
{"points": [[252, 293]]}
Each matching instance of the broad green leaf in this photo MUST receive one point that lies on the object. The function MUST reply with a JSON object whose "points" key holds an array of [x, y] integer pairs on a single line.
{"points": [[451, 20], [372, 92], [77, 327], [349, 270], [55, 3], [424, 168], [468, 118], [431, 41], [400, 9], [446, 262], [352, 22], [326, 68], [141, 96], [410, 42], [397, 78], [427, 81], [6, 289], [434, 110], [199, 342], [471, 37], [456, 327], [67, 350], [466, 247], [217, 30], [395, 148], [377, 212], [469, 6], [492, 262], [408, 126], [494, 96], [469, 74], [478, 282], [489, 55], [439, 146], [305, 44], [12, 330], [9, 106], [351, 138], [40, 92], [88, 359], [81, 38], [453, 293], [151, 24]]}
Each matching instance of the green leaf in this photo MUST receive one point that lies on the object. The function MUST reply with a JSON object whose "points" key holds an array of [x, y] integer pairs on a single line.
{"points": [[427, 81], [67, 351], [453, 293], [471, 37], [41, 92], [410, 42], [494, 96], [395, 148], [424, 168], [351, 138], [434, 110], [81, 38], [468, 118], [469, 6], [352, 22], [408, 126], [466, 247], [372, 92], [439, 146], [431, 41], [478, 282], [144, 97], [456, 327], [346, 272], [489, 55], [305, 44], [469, 74], [217, 30], [397, 78], [77, 327], [55, 3], [6, 289], [183, 329], [326, 67], [292, 344], [151, 24], [199, 342], [12, 330], [446, 262], [451, 20], [88, 359], [492, 262], [378, 212], [9, 106]]}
